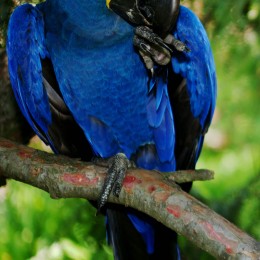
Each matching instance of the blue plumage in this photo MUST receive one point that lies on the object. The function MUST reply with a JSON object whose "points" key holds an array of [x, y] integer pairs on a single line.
{"points": [[25, 47], [107, 89], [196, 66], [84, 75]]}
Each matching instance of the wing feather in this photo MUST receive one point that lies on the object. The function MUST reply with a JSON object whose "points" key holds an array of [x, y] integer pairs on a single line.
{"points": [[26, 48], [196, 66], [192, 88]]}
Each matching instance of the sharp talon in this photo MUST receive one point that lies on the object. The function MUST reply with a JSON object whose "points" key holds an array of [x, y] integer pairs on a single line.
{"points": [[146, 49], [149, 66], [178, 45], [152, 72], [148, 63], [141, 45], [160, 42]]}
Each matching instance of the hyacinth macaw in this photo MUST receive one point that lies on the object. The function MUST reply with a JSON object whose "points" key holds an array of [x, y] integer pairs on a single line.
{"points": [[135, 84]]}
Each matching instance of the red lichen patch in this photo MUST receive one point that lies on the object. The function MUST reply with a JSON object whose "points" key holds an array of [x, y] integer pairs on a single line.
{"points": [[211, 232], [130, 181], [24, 155], [174, 210], [229, 250], [151, 188], [79, 179], [6, 144], [230, 245]]}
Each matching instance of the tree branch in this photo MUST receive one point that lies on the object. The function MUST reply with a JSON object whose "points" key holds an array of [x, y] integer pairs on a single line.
{"points": [[188, 175], [146, 191]]}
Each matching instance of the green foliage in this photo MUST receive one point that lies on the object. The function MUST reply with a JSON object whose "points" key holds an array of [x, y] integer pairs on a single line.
{"points": [[5, 10], [34, 225], [240, 14]]}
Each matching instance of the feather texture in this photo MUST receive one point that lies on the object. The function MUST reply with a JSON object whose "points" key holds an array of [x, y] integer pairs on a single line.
{"points": [[25, 48]]}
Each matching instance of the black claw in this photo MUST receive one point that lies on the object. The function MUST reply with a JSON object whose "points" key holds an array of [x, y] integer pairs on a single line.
{"points": [[146, 48], [178, 45], [161, 43], [151, 72], [147, 61], [142, 45]]}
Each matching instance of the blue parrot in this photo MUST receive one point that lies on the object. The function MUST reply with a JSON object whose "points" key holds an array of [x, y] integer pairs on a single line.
{"points": [[135, 84]]}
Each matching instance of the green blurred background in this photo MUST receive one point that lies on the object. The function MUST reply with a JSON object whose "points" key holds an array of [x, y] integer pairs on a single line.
{"points": [[33, 226]]}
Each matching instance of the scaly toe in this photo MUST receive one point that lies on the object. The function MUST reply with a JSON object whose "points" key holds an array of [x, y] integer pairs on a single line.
{"points": [[118, 166]]}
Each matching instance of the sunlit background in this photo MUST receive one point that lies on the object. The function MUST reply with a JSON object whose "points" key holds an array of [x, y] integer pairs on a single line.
{"points": [[33, 226]]}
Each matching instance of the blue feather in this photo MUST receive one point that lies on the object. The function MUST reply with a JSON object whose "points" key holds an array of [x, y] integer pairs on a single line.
{"points": [[197, 66], [146, 231], [25, 48]]}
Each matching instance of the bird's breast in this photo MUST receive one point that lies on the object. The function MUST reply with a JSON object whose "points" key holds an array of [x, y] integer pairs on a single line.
{"points": [[106, 90]]}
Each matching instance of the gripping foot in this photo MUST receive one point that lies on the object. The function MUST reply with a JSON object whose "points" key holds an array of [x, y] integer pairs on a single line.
{"points": [[117, 167], [154, 49]]}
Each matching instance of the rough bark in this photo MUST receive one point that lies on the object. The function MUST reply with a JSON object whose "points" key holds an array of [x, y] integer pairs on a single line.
{"points": [[144, 190]]}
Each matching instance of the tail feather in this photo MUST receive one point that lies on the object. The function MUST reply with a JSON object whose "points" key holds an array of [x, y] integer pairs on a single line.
{"points": [[125, 240], [128, 243]]}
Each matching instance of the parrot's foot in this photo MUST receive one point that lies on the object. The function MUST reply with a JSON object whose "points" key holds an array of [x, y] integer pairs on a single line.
{"points": [[153, 48], [117, 167]]}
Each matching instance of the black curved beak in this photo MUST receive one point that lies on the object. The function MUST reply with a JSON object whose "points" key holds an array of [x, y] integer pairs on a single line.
{"points": [[160, 15]]}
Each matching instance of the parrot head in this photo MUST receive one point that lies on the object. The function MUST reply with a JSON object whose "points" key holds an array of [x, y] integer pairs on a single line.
{"points": [[160, 15]]}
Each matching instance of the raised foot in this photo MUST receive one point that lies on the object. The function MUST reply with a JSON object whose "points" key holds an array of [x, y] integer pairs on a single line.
{"points": [[117, 167], [154, 49]]}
